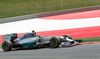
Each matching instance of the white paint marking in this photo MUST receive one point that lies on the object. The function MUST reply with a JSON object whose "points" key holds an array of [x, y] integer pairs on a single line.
{"points": [[46, 25]]}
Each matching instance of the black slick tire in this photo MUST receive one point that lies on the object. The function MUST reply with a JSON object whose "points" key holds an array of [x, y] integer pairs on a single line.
{"points": [[54, 42], [6, 46]]}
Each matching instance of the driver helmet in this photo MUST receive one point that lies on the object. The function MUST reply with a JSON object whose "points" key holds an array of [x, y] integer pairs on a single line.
{"points": [[34, 33], [67, 36]]}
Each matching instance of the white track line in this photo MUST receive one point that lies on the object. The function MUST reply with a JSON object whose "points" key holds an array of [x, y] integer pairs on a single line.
{"points": [[0, 49], [47, 25]]}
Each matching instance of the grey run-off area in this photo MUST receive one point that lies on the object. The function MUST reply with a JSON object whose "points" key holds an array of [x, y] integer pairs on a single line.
{"points": [[77, 52]]}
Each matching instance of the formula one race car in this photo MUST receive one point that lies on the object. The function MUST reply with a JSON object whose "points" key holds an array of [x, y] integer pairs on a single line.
{"points": [[31, 40]]}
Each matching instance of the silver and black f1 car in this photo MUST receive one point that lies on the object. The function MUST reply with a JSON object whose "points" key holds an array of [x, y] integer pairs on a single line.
{"points": [[31, 40]]}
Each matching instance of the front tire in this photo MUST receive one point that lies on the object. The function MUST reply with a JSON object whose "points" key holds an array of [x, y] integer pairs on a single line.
{"points": [[54, 42], [6, 46]]}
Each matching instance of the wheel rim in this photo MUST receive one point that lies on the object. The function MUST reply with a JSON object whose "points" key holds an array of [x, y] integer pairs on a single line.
{"points": [[6, 46], [54, 42]]}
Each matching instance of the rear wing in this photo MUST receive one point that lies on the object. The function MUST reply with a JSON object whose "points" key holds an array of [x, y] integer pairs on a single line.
{"points": [[9, 37]]}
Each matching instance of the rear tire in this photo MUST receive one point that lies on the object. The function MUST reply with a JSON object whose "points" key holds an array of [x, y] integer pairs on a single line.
{"points": [[6, 46], [54, 42]]}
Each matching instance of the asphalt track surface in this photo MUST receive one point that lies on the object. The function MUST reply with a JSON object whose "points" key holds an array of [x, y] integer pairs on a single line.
{"points": [[77, 52]]}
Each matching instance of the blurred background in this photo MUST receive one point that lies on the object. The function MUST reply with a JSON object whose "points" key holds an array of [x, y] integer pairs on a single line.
{"points": [[11, 8]]}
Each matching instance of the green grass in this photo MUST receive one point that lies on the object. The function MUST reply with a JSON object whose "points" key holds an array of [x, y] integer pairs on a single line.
{"points": [[0, 46], [91, 39], [11, 8]]}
